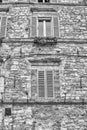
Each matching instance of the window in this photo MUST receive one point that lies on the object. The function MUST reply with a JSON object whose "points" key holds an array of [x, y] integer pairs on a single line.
{"points": [[45, 83], [7, 111], [0, 1], [44, 27], [44, 1]]}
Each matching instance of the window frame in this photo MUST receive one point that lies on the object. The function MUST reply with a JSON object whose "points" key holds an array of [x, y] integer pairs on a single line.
{"points": [[45, 83]]}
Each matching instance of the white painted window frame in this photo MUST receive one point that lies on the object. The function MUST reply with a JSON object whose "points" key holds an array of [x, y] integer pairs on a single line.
{"points": [[44, 25]]}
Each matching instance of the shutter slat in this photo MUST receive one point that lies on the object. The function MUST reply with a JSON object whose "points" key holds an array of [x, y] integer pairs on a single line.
{"points": [[34, 23], [49, 83], [3, 27], [56, 33], [41, 85]]}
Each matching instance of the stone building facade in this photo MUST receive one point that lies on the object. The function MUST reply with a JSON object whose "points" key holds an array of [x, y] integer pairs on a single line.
{"points": [[43, 65]]}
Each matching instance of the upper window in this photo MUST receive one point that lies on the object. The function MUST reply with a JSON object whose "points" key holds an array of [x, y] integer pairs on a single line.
{"points": [[44, 27], [44, 1]]}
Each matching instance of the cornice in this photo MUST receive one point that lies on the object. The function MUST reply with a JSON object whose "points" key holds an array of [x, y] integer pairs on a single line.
{"points": [[31, 40], [60, 4]]}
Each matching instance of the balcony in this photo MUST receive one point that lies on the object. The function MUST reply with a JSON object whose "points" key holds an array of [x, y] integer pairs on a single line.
{"points": [[45, 41]]}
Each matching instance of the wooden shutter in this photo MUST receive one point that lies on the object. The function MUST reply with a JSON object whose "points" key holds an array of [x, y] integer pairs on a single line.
{"points": [[1, 84], [48, 28], [49, 79], [53, 1], [29, 26], [56, 84], [34, 25], [40, 28], [56, 33], [33, 1], [3, 26], [33, 83], [41, 84]]}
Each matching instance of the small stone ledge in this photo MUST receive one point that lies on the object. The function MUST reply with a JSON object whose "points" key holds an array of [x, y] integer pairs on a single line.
{"points": [[46, 60], [43, 103], [42, 10]]}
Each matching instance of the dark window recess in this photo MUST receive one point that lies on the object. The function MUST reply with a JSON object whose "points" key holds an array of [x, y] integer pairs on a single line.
{"points": [[0, 1], [44, 1], [7, 111], [40, 0], [47, 1]]}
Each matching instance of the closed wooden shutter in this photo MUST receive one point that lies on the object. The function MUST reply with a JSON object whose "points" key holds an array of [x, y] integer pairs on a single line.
{"points": [[33, 1], [33, 83], [40, 28], [1, 86], [3, 26], [56, 84], [48, 28], [34, 25], [29, 26], [49, 79], [56, 33], [53, 1], [41, 84]]}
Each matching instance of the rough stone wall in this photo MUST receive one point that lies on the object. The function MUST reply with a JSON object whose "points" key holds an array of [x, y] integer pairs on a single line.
{"points": [[72, 21], [18, 85]]}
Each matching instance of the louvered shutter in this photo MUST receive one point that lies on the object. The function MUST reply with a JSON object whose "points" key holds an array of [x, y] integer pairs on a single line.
{"points": [[48, 28], [1, 86], [33, 83], [33, 1], [29, 26], [3, 26], [53, 1], [41, 84], [56, 84], [34, 25], [49, 78], [40, 28], [56, 33]]}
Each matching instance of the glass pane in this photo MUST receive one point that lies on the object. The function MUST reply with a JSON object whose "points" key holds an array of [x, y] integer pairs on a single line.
{"points": [[48, 28]]}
